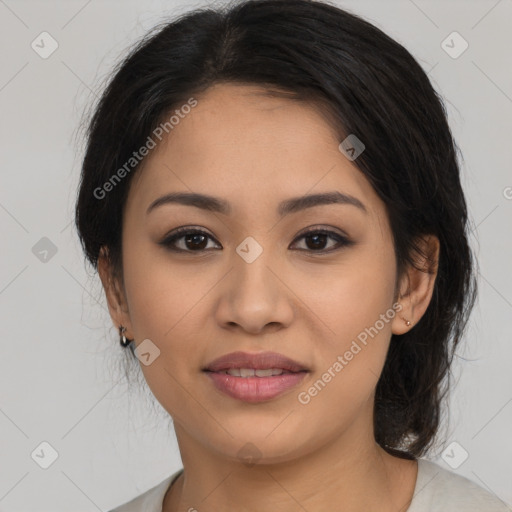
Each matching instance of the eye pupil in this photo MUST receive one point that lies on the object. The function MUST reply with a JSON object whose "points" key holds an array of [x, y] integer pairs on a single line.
{"points": [[318, 239], [195, 237]]}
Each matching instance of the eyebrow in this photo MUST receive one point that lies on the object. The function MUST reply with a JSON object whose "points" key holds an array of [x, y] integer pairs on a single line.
{"points": [[292, 205]]}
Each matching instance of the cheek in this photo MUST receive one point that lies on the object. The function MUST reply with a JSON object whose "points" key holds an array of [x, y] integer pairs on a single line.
{"points": [[349, 360], [164, 301], [159, 292], [345, 298], [352, 306], [161, 300]]}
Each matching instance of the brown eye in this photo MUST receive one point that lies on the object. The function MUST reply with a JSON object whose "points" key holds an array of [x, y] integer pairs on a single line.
{"points": [[189, 240], [195, 241], [316, 240]]}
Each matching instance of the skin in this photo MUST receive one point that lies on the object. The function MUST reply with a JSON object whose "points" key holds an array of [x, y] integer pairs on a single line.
{"points": [[255, 151]]}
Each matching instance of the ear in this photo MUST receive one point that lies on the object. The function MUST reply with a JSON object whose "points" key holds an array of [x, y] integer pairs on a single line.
{"points": [[417, 284], [114, 291]]}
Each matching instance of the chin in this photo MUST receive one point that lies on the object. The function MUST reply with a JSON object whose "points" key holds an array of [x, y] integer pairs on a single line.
{"points": [[270, 447]]}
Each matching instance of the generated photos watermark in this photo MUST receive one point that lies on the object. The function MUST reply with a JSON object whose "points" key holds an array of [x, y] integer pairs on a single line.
{"points": [[144, 150], [304, 397]]}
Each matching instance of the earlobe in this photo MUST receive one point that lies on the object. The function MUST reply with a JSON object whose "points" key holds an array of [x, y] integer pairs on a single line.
{"points": [[115, 297], [401, 323], [417, 284]]}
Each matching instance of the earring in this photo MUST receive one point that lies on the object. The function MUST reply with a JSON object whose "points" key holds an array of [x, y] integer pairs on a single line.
{"points": [[125, 342], [406, 321]]}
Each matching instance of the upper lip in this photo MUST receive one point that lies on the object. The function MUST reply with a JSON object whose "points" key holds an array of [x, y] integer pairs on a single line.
{"points": [[258, 361]]}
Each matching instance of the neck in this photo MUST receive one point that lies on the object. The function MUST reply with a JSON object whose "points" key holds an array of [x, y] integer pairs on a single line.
{"points": [[350, 469]]}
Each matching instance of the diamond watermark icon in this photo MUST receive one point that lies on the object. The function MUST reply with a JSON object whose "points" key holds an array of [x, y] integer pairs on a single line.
{"points": [[249, 249], [44, 249], [146, 352], [249, 454], [351, 147], [454, 45], [44, 45], [44, 455], [455, 455]]}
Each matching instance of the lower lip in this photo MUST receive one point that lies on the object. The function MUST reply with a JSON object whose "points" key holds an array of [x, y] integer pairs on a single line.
{"points": [[255, 389]]}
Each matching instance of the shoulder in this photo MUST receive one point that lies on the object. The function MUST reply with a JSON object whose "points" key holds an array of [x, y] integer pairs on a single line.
{"points": [[151, 500], [440, 490]]}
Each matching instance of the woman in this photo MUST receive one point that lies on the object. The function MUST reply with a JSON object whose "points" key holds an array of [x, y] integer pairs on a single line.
{"points": [[271, 196]]}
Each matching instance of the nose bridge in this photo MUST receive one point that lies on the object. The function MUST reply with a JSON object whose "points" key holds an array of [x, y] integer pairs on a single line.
{"points": [[252, 274], [254, 296]]}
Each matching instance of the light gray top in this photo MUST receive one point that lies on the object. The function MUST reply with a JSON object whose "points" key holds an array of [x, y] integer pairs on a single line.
{"points": [[436, 490]]}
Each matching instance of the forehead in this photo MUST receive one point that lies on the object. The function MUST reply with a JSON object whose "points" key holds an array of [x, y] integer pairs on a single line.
{"points": [[239, 143]]}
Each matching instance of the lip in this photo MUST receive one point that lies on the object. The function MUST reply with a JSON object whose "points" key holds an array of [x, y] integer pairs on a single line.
{"points": [[255, 389], [258, 361]]}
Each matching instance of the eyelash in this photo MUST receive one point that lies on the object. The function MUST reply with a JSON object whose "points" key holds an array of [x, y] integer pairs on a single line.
{"points": [[180, 233]]}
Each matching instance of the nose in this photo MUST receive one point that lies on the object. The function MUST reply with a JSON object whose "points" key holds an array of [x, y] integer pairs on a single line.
{"points": [[255, 297]]}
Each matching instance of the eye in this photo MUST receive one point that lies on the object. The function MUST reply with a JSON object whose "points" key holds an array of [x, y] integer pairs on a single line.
{"points": [[192, 240], [319, 237], [187, 239]]}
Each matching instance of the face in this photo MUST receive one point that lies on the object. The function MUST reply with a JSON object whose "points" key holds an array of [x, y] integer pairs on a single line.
{"points": [[249, 278]]}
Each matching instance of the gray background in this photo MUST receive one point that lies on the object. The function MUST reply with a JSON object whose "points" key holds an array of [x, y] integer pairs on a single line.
{"points": [[60, 379]]}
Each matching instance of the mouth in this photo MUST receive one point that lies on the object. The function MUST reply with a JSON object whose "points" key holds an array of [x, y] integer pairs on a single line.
{"points": [[268, 361], [255, 377], [253, 372]]}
